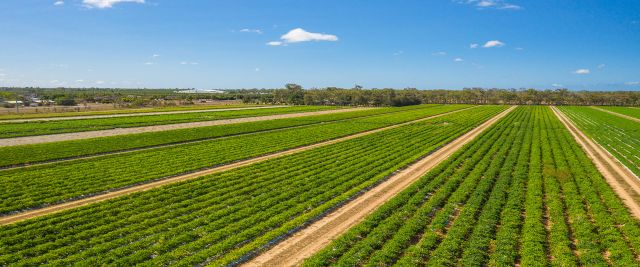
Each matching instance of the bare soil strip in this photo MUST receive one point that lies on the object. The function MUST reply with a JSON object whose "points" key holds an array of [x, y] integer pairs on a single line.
{"points": [[623, 181], [38, 139], [617, 114], [158, 183], [133, 114], [310, 240]]}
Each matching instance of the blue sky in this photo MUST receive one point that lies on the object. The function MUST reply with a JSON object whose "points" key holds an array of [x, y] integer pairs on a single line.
{"points": [[426, 44]]}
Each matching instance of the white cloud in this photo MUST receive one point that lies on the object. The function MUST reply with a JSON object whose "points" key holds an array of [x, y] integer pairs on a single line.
{"points": [[2, 74], [188, 63], [557, 85], [58, 3], [252, 31], [398, 53], [155, 56], [107, 3], [493, 43], [495, 4], [440, 53], [601, 66], [458, 59], [79, 81], [148, 63], [519, 48], [99, 82], [300, 35], [632, 83], [257, 69], [582, 71], [274, 43], [472, 46]]}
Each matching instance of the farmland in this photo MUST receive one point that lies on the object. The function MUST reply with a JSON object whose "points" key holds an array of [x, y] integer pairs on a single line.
{"points": [[234, 212], [523, 193], [620, 136], [17, 129]]}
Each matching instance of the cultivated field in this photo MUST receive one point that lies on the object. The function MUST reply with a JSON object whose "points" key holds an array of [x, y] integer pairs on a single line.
{"points": [[424, 185]]}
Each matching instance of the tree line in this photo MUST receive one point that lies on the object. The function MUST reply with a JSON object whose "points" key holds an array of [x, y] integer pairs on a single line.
{"points": [[294, 94]]}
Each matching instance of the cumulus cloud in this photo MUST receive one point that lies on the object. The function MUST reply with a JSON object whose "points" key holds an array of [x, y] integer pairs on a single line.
{"points": [[188, 63], [107, 3], [557, 85], [582, 71], [300, 35], [632, 83], [252, 31], [148, 63], [440, 53], [398, 53], [493, 43], [495, 4], [458, 59], [58, 3], [601, 66], [472, 46]]}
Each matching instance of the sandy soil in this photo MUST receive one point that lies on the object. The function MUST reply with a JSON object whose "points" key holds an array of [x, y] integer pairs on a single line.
{"points": [[618, 114], [621, 179], [122, 192], [294, 250], [28, 140], [133, 114]]}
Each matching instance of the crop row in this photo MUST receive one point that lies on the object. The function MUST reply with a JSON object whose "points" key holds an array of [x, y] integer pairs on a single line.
{"points": [[523, 193], [16, 129], [218, 218], [619, 136], [32, 187], [47, 152]]}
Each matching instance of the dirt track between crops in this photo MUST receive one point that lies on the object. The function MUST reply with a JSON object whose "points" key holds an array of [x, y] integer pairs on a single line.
{"points": [[618, 114], [10, 219], [134, 114], [39, 139], [294, 250], [621, 179]]}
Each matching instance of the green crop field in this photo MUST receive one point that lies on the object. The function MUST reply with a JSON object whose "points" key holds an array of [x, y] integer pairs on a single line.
{"points": [[216, 219], [620, 136], [16, 129], [629, 111], [523, 193]]}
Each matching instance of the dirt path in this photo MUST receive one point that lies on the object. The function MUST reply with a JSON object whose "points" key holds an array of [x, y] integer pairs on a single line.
{"points": [[617, 114], [133, 114], [294, 250], [623, 181], [38, 139], [144, 187]]}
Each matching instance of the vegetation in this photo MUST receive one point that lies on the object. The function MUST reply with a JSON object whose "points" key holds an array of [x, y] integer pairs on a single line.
{"points": [[619, 136], [46, 152], [629, 111], [36, 186], [523, 193], [16, 129], [219, 218]]}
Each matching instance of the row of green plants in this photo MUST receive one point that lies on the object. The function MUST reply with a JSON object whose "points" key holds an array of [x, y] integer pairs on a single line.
{"points": [[523, 193], [37, 186], [619, 136], [31, 128], [629, 111], [219, 218], [50, 152]]}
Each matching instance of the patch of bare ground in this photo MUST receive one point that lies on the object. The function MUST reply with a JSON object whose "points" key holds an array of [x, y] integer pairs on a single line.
{"points": [[29, 140], [14, 218], [623, 181], [308, 241]]}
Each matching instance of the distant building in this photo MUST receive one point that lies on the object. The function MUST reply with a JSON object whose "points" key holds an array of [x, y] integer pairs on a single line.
{"points": [[200, 91]]}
